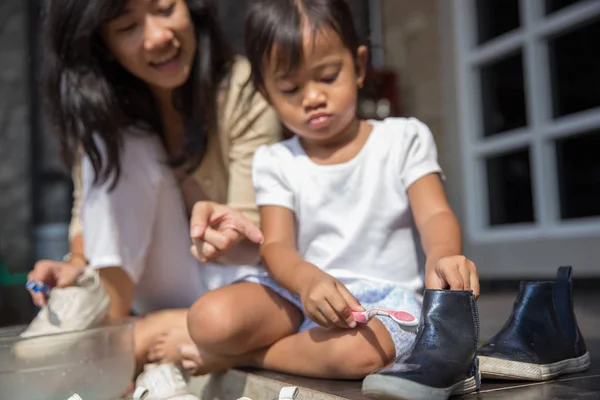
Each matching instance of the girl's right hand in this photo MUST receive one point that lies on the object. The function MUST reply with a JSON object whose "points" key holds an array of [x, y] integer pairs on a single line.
{"points": [[328, 302], [53, 274]]}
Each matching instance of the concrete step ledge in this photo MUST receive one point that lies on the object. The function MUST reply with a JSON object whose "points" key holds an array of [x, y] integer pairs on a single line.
{"points": [[234, 384]]}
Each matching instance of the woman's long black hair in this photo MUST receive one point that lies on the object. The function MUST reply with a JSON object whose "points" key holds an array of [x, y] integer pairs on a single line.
{"points": [[89, 96]]}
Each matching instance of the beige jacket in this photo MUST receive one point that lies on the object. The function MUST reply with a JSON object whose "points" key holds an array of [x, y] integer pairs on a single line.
{"points": [[225, 174]]}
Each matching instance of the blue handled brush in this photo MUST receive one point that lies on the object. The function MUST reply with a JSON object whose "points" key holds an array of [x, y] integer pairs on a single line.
{"points": [[38, 287]]}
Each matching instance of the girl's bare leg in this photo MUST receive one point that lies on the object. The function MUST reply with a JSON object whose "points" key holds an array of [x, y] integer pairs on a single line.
{"points": [[241, 318], [319, 352]]}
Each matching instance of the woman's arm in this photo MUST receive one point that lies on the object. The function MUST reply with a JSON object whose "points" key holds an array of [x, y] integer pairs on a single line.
{"points": [[261, 127], [115, 280], [251, 124], [264, 130], [76, 256], [120, 289]]}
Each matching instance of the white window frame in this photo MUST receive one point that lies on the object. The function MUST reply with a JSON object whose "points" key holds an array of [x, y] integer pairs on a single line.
{"points": [[542, 128]]}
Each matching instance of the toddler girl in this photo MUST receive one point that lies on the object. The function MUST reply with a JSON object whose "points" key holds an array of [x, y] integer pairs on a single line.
{"points": [[338, 204]]}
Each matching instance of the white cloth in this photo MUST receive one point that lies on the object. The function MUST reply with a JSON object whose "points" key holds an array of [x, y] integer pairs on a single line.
{"points": [[142, 226], [353, 219]]}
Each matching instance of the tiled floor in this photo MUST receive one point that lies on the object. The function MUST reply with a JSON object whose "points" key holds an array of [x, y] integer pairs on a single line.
{"points": [[494, 310]]}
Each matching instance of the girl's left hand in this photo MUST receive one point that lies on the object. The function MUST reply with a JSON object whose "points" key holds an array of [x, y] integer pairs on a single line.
{"points": [[454, 272], [216, 228]]}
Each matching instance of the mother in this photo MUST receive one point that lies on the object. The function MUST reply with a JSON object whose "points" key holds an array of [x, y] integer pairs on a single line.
{"points": [[157, 120]]}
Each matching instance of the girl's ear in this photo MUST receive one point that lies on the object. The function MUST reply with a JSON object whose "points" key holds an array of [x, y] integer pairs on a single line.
{"points": [[362, 57]]}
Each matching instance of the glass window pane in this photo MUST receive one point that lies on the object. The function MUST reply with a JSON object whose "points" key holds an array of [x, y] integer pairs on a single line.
{"points": [[495, 17], [503, 95], [554, 5], [509, 189], [575, 63], [578, 167]]}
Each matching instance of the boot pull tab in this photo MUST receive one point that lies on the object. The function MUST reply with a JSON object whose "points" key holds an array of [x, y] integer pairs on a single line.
{"points": [[564, 274]]}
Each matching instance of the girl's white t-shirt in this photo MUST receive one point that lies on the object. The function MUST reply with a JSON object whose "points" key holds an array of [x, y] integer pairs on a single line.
{"points": [[354, 219]]}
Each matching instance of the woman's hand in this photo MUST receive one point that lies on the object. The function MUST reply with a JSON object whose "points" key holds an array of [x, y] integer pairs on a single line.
{"points": [[328, 302], [216, 228], [53, 274], [454, 272]]}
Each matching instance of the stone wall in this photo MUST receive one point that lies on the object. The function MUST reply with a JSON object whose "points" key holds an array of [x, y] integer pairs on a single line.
{"points": [[412, 48], [15, 196]]}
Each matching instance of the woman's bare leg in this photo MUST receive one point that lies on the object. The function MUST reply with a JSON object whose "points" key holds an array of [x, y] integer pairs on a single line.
{"points": [[165, 347], [148, 328]]}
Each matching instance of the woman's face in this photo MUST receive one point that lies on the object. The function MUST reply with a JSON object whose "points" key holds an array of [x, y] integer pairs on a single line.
{"points": [[154, 40]]}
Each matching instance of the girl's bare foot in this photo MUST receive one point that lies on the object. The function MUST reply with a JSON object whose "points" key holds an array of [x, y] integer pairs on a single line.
{"points": [[166, 347]]}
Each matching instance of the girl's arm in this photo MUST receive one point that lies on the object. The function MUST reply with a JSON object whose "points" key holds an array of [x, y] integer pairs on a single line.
{"points": [[325, 300], [278, 250], [437, 224], [441, 237]]}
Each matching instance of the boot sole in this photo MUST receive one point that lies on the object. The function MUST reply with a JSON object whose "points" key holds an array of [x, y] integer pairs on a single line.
{"points": [[497, 368], [382, 387]]}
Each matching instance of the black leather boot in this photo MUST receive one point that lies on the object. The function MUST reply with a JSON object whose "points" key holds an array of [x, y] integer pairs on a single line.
{"points": [[541, 339], [442, 362]]}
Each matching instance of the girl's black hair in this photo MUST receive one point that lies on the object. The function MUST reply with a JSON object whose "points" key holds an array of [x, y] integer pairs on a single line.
{"points": [[282, 22], [90, 96]]}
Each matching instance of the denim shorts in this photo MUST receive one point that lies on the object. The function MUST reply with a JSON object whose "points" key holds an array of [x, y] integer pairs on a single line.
{"points": [[370, 295]]}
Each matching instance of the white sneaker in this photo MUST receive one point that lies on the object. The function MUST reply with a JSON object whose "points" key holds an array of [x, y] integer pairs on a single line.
{"points": [[139, 394], [164, 381], [79, 307]]}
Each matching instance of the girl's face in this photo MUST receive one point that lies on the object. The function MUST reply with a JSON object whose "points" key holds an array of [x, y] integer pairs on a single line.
{"points": [[154, 40], [317, 101]]}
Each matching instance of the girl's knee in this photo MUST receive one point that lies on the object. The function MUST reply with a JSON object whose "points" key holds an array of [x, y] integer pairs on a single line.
{"points": [[371, 351], [212, 320], [366, 359], [240, 318]]}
